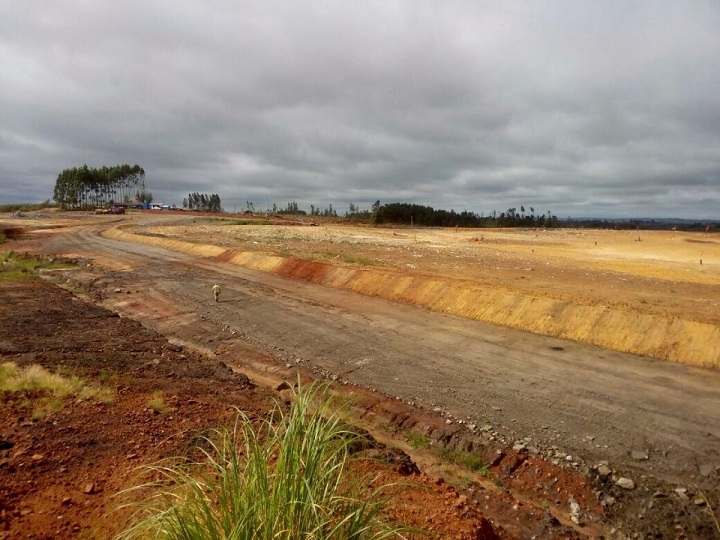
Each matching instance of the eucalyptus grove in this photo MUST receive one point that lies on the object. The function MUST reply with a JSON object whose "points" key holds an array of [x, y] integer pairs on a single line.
{"points": [[80, 187]]}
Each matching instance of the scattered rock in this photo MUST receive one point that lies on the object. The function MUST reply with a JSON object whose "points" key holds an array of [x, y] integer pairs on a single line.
{"points": [[67, 501], [89, 488], [699, 501], [625, 483], [574, 511], [604, 470], [118, 290], [640, 455], [706, 469]]}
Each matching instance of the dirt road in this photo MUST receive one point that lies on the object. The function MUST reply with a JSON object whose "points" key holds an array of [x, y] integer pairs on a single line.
{"points": [[655, 422]]}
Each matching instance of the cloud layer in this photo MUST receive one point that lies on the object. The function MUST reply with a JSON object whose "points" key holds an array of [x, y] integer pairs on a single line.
{"points": [[581, 108]]}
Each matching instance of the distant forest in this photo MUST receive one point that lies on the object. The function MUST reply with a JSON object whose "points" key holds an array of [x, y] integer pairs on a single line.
{"points": [[407, 214], [203, 202], [415, 214], [80, 187]]}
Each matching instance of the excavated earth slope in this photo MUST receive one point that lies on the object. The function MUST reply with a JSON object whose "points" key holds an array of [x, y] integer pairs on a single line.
{"points": [[650, 293]]}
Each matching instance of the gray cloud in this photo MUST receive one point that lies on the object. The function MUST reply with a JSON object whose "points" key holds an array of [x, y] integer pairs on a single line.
{"points": [[583, 109]]}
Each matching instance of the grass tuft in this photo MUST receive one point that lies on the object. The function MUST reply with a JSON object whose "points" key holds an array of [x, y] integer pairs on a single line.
{"points": [[418, 440], [284, 479], [710, 510], [53, 387], [465, 459], [36, 377], [157, 403]]}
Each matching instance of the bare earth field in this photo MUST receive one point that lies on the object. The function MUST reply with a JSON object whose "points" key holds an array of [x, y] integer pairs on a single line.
{"points": [[564, 359]]}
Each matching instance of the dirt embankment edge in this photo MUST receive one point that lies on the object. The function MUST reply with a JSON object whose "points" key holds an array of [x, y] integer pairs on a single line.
{"points": [[671, 339]]}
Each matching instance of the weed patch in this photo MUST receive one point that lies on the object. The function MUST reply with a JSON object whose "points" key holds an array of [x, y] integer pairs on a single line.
{"points": [[15, 267]]}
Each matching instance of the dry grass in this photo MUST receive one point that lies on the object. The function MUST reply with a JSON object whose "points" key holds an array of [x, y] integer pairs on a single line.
{"points": [[47, 392]]}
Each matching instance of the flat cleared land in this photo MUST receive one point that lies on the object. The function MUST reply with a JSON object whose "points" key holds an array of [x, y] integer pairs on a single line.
{"points": [[404, 313], [654, 293]]}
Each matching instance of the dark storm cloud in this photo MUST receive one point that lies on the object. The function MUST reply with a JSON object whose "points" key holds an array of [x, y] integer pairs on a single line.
{"points": [[578, 108]]}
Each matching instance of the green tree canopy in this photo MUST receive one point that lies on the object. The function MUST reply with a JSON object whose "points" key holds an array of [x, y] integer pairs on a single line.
{"points": [[80, 187]]}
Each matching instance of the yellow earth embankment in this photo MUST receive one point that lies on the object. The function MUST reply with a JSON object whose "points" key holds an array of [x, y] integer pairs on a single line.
{"points": [[670, 339]]}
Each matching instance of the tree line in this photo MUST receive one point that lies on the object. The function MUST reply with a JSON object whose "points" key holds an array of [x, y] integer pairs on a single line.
{"points": [[80, 187], [416, 214], [203, 202]]}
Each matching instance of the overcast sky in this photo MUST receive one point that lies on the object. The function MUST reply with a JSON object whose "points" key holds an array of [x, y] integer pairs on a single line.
{"points": [[582, 108]]}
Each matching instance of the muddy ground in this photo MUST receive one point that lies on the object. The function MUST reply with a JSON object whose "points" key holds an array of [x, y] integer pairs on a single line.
{"points": [[556, 453]]}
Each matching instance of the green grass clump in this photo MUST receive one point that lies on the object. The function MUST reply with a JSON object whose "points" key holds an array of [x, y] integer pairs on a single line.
{"points": [[418, 440], [21, 267], [465, 459], [157, 403], [285, 479]]}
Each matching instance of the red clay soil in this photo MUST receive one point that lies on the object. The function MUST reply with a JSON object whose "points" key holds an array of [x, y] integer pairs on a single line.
{"points": [[59, 473]]}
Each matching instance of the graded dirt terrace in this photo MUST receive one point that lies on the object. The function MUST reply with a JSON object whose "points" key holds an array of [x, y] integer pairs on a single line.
{"points": [[655, 293], [398, 317]]}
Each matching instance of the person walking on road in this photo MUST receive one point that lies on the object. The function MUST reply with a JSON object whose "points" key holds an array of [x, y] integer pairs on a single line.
{"points": [[216, 292]]}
